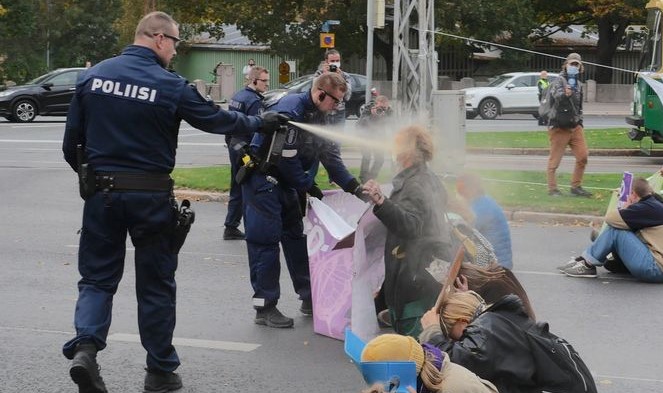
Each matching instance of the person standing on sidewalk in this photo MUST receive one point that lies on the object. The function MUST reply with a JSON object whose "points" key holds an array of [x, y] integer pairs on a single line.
{"points": [[566, 127], [248, 101], [542, 85]]}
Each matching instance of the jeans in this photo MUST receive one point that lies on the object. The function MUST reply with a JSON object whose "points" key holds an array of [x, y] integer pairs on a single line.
{"points": [[633, 252]]}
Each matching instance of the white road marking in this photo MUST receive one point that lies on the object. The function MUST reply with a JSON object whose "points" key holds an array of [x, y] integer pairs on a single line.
{"points": [[134, 338], [192, 342]]}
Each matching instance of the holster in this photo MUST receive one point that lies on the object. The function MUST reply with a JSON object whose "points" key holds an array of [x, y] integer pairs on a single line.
{"points": [[86, 176], [185, 218]]}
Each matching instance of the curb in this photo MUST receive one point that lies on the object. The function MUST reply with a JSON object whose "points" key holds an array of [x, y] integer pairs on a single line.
{"points": [[544, 152], [515, 215]]}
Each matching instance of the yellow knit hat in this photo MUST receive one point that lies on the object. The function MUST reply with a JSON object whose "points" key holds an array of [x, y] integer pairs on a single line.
{"points": [[394, 347]]}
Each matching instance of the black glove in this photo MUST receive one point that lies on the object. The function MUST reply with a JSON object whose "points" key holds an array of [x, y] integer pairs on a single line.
{"points": [[271, 121], [315, 191], [353, 187]]}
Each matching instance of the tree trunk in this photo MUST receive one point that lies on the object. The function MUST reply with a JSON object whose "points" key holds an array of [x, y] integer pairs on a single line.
{"points": [[610, 35]]}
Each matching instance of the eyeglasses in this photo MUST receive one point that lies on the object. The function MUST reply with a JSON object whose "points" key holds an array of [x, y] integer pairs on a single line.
{"points": [[176, 40], [336, 100], [263, 80]]}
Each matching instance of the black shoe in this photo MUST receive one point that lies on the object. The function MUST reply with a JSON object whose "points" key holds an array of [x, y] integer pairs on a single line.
{"points": [[162, 382], [307, 307], [555, 193], [231, 233], [272, 317], [84, 370], [581, 192]]}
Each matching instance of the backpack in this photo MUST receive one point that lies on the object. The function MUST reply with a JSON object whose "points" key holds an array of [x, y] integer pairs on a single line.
{"points": [[559, 368], [564, 114]]}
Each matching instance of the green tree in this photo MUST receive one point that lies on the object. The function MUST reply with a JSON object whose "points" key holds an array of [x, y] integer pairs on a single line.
{"points": [[608, 18], [22, 49]]}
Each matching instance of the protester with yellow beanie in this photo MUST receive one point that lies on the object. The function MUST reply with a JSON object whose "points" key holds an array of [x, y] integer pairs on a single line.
{"points": [[435, 372]]}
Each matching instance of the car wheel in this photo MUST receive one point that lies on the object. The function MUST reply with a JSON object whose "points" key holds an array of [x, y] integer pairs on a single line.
{"points": [[489, 108], [24, 111]]}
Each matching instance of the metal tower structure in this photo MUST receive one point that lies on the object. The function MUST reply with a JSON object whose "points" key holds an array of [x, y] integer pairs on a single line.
{"points": [[414, 74]]}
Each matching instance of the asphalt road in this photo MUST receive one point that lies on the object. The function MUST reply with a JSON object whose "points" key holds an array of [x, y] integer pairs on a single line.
{"points": [[613, 321]]}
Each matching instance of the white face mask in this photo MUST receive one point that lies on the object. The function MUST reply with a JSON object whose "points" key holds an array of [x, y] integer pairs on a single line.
{"points": [[572, 70], [336, 63]]}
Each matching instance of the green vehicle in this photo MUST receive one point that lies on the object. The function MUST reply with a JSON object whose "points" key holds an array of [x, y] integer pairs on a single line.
{"points": [[647, 117]]}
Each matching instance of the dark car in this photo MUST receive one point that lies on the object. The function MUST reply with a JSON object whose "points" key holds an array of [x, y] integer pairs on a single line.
{"points": [[303, 83], [47, 95]]}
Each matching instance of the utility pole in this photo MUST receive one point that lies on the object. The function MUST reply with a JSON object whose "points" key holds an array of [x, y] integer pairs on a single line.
{"points": [[414, 75]]}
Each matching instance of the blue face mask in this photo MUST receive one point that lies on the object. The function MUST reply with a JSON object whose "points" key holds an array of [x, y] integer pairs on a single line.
{"points": [[572, 70]]}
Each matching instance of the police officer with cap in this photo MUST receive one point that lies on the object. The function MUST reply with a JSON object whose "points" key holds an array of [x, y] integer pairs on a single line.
{"points": [[272, 213], [126, 113]]}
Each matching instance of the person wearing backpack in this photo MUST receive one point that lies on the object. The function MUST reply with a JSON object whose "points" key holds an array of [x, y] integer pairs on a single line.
{"points": [[500, 343], [566, 128]]}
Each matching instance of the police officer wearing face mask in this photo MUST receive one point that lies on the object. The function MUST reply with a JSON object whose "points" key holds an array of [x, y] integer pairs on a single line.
{"points": [[332, 63], [126, 115], [566, 127]]}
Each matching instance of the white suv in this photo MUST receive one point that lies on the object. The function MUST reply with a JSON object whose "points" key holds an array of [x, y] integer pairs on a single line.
{"points": [[515, 92]]}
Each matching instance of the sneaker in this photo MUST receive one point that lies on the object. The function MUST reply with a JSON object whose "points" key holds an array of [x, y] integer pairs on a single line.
{"points": [[307, 307], [580, 269], [162, 382], [84, 370], [272, 317], [569, 264], [231, 233], [581, 192], [556, 192], [384, 318]]}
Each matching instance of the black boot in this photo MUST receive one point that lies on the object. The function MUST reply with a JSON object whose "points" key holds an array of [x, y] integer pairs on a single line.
{"points": [[162, 382], [307, 307], [84, 370], [232, 233], [272, 317]]}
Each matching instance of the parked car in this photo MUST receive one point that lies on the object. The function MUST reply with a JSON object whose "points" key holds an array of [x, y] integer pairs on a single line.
{"points": [[515, 92], [303, 83], [47, 95]]}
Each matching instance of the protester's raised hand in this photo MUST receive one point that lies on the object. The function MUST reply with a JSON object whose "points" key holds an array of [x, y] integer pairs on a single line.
{"points": [[461, 283], [430, 318]]}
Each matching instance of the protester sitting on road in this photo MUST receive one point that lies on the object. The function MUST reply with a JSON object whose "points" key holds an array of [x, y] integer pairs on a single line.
{"points": [[417, 230], [494, 342], [489, 217], [435, 373], [634, 233]]}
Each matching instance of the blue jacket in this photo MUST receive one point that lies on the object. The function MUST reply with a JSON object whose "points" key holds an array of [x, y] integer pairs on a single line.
{"points": [[249, 102], [303, 151], [491, 222], [127, 112]]}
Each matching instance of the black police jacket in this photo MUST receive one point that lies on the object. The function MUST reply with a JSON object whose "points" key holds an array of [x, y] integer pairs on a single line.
{"points": [[127, 112]]}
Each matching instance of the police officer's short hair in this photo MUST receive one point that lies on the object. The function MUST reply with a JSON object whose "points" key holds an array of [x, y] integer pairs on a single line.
{"points": [[155, 22], [255, 72], [330, 81]]}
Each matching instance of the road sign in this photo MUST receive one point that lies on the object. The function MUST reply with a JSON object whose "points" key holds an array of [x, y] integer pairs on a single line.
{"points": [[326, 40]]}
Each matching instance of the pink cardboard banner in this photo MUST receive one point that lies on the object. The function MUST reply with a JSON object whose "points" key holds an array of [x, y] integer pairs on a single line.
{"points": [[346, 260]]}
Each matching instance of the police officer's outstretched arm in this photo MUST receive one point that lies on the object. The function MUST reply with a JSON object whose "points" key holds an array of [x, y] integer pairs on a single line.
{"points": [[338, 173], [204, 115]]}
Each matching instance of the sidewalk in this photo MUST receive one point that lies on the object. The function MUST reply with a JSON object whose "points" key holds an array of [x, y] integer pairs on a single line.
{"points": [[606, 108]]}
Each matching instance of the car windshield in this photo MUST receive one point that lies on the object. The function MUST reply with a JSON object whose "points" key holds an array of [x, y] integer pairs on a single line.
{"points": [[296, 81], [499, 80], [41, 79]]}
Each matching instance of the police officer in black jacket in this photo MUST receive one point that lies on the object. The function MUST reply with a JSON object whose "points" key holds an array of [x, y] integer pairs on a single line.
{"points": [[126, 113]]}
